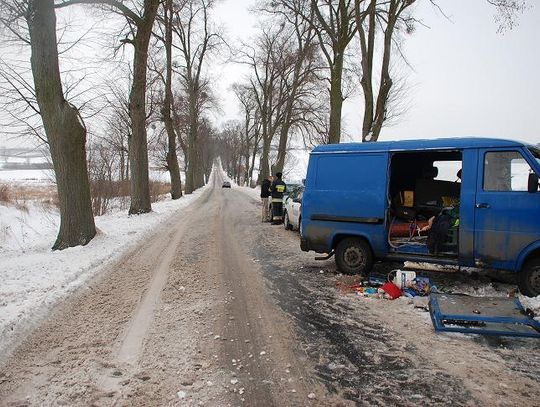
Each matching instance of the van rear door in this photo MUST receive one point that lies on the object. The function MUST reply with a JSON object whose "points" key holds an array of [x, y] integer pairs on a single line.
{"points": [[506, 215]]}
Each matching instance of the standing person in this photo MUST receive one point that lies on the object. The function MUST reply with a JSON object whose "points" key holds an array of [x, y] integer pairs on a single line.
{"points": [[278, 189], [265, 193]]}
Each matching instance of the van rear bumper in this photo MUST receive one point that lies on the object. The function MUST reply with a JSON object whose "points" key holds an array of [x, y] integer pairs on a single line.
{"points": [[306, 246]]}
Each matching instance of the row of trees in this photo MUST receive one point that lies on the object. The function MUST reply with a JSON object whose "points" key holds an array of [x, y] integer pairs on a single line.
{"points": [[169, 43], [300, 64], [303, 66]]}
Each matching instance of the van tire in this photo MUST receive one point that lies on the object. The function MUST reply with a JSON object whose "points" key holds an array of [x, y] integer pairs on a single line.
{"points": [[529, 278], [353, 256]]}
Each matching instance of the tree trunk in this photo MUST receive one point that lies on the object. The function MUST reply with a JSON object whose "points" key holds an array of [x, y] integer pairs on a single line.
{"points": [[386, 80], [252, 166], [199, 172], [336, 100], [264, 166], [192, 156], [138, 151], [246, 166], [172, 158], [367, 46], [65, 130], [122, 163], [282, 147]]}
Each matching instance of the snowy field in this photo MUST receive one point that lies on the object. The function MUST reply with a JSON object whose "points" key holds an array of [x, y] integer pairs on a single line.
{"points": [[46, 177], [34, 277], [43, 177]]}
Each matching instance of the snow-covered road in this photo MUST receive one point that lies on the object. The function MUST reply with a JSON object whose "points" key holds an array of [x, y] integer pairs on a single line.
{"points": [[33, 278]]}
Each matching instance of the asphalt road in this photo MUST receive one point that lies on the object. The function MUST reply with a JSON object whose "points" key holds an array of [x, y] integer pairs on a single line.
{"points": [[219, 309]]}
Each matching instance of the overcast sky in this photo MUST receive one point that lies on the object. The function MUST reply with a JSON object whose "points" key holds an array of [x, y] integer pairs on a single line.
{"points": [[466, 79]]}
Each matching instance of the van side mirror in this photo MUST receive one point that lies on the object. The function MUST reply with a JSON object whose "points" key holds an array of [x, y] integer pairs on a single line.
{"points": [[533, 183]]}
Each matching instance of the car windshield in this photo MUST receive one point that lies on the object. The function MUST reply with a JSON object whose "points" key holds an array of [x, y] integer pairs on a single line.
{"points": [[536, 153]]}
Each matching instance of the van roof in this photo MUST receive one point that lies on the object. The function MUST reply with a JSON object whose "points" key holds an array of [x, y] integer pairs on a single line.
{"points": [[425, 144]]}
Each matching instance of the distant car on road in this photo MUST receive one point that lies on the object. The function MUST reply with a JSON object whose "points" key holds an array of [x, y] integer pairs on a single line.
{"points": [[291, 209], [226, 184]]}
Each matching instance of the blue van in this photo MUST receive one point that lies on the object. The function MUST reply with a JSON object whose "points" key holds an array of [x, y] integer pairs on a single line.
{"points": [[457, 201]]}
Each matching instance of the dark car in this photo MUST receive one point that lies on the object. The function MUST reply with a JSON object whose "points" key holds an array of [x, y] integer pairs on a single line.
{"points": [[226, 184]]}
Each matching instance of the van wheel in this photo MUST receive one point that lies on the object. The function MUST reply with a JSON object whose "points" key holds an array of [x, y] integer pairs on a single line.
{"points": [[286, 222], [353, 256], [529, 278]]}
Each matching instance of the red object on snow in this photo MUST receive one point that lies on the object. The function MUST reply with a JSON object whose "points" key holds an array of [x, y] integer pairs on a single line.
{"points": [[391, 289]]}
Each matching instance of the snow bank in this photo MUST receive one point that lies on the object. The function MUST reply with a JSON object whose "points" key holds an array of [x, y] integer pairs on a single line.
{"points": [[33, 277]]}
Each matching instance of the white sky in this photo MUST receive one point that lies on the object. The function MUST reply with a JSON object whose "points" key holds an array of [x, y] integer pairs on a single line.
{"points": [[465, 80]]}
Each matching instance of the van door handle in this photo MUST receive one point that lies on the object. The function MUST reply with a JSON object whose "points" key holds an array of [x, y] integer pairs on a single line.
{"points": [[482, 205]]}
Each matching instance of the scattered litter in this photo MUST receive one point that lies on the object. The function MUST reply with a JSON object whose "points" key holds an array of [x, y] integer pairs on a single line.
{"points": [[217, 337], [234, 381], [397, 283], [404, 279], [241, 391], [262, 353], [311, 396], [391, 290], [181, 394]]}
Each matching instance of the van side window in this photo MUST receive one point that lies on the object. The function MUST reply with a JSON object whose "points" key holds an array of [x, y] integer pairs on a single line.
{"points": [[505, 171]]}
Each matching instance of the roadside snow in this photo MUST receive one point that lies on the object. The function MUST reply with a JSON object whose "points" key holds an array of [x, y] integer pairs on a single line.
{"points": [[33, 277]]}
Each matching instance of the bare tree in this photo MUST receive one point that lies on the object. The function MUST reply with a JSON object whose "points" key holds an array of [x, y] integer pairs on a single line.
{"points": [[390, 17], [507, 12], [171, 156], [196, 41], [336, 27], [65, 129], [250, 129], [267, 86], [140, 30]]}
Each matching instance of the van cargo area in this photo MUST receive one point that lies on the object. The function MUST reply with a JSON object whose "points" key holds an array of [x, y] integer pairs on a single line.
{"points": [[463, 201]]}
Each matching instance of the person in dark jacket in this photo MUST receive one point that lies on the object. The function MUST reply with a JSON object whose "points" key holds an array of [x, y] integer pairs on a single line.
{"points": [[278, 189], [265, 194]]}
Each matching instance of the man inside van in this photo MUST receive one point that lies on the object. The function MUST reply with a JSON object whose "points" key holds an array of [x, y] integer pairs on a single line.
{"points": [[278, 189]]}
